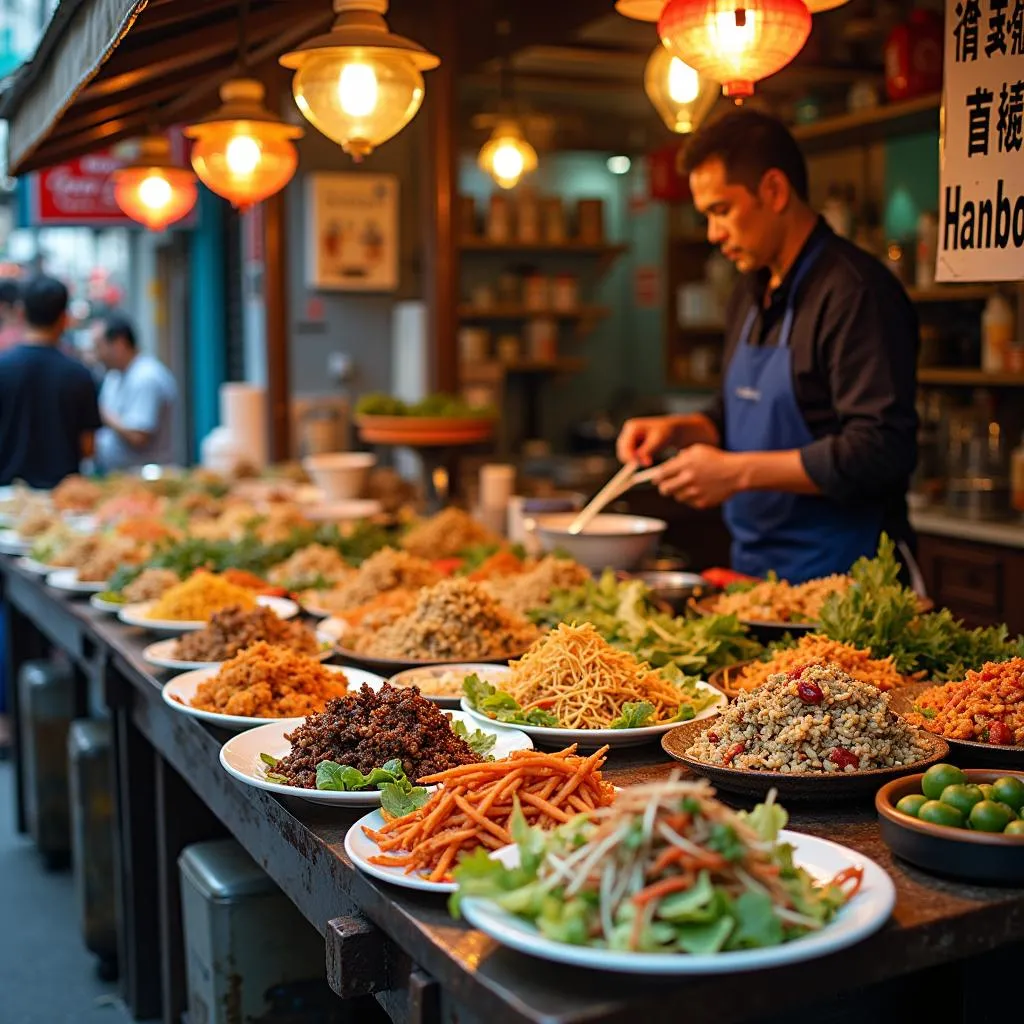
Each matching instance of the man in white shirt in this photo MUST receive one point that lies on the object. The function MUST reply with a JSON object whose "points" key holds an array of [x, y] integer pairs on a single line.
{"points": [[137, 401]]}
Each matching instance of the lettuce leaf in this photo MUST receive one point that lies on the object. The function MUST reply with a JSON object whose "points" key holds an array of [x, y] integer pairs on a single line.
{"points": [[503, 707], [634, 715]]}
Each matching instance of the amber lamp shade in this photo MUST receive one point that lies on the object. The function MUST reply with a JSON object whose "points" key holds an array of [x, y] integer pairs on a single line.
{"points": [[152, 190], [506, 156], [359, 84], [735, 42], [650, 10], [242, 151], [682, 97]]}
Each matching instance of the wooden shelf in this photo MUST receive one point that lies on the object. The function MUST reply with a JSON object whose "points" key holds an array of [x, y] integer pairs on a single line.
{"points": [[543, 248], [492, 371], [952, 293], [522, 313], [866, 126], [965, 377]]}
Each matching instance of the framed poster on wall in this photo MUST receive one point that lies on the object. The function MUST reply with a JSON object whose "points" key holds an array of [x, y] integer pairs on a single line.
{"points": [[352, 232]]}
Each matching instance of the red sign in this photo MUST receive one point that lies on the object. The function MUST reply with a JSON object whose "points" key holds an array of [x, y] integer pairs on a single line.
{"points": [[78, 192]]}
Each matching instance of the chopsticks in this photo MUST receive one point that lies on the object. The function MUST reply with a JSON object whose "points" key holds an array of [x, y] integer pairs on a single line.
{"points": [[626, 478]]}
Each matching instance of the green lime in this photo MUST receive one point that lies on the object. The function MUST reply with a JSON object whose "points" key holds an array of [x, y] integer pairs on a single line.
{"points": [[1015, 828], [937, 813], [1009, 790], [988, 816], [911, 804], [938, 777], [1013, 814], [963, 798], [988, 789]]}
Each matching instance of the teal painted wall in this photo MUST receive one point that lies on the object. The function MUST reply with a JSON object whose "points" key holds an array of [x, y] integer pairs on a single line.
{"points": [[911, 182]]}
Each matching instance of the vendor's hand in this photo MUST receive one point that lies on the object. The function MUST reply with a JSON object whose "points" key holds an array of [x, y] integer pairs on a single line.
{"points": [[701, 476], [641, 439]]}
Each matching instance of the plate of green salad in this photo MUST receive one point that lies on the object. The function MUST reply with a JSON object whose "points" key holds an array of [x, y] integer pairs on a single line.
{"points": [[669, 881]]}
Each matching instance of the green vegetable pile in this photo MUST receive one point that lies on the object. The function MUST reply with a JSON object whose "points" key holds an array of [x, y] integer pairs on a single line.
{"points": [[949, 798], [667, 869], [624, 613], [438, 405], [879, 614]]}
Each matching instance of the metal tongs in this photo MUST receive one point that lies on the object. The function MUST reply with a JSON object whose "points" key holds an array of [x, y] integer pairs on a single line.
{"points": [[626, 478]]}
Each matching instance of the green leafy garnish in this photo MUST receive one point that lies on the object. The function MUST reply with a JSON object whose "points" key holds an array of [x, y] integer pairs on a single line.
{"points": [[112, 597], [503, 707], [272, 775], [767, 820], [480, 742], [635, 715]]}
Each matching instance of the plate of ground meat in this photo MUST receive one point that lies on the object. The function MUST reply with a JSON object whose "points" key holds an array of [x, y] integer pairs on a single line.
{"points": [[262, 683], [230, 632], [364, 730], [981, 717], [814, 733]]}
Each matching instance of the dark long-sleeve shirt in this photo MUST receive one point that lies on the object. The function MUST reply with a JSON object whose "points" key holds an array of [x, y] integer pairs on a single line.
{"points": [[854, 344]]}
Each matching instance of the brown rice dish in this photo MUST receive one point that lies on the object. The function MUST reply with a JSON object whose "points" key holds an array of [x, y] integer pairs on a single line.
{"points": [[232, 630], [77, 494], [534, 587], [455, 620], [383, 571], [986, 707], [308, 566], [813, 648], [149, 585], [38, 522], [269, 682], [819, 720], [198, 598], [109, 554], [779, 601], [446, 534]]}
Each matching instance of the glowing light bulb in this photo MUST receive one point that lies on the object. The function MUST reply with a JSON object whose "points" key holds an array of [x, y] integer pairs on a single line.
{"points": [[243, 155], [508, 162], [733, 31], [683, 82], [358, 90], [155, 192]]}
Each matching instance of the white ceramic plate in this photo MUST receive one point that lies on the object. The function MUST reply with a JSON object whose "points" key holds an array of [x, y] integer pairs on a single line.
{"points": [[360, 847], [240, 757], [111, 607], [11, 543], [343, 511], [493, 674], [34, 567], [592, 738], [136, 615], [863, 915], [179, 692], [161, 655], [67, 580]]}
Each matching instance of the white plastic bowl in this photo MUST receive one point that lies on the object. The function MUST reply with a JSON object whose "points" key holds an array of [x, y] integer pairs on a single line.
{"points": [[609, 541], [340, 475]]}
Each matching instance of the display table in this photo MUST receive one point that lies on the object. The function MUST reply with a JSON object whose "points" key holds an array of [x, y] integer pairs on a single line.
{"points": [[424, 967]]}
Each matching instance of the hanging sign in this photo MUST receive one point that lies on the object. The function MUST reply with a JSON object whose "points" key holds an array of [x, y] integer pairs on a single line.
{"points": [[79, 192], [981, 193]]}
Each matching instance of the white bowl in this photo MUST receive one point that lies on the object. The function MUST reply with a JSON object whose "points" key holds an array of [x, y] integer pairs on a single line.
{"points": [[609, 541], [340, 475]]}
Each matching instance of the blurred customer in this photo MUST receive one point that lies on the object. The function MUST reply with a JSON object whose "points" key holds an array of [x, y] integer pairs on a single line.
{"points": [[48, 410], [137, 400], [12, 325]]}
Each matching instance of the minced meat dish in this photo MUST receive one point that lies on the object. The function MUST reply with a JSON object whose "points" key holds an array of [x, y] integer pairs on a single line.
{"points": [[234, 629], [368, 728]]}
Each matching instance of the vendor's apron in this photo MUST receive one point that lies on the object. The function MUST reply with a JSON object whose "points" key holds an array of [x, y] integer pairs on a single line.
{"points": [[799, 536]]}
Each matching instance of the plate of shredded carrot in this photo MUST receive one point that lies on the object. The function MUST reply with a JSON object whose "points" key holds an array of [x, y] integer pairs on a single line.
{"points": [[472, 808]]}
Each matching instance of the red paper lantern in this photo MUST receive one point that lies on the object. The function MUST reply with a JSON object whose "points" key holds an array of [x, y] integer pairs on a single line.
{"points": [[913, 57], [735, 42]]}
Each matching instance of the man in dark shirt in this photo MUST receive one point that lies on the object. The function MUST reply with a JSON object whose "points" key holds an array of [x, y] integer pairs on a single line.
{"points": [[48, 408], [811, 444]]}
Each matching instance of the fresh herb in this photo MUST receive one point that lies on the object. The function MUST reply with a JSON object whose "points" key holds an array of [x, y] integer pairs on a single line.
{"points": [[271, 774], [112, 597], [925, 712], [503, 707], [480, 742], [440, 405], [635, 715], [624, 613]]}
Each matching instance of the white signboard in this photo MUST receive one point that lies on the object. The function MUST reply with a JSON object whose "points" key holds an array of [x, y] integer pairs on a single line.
{"points": [[981, 191], [352, 232]]}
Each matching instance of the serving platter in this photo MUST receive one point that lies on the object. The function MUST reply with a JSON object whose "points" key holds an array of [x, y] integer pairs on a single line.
{"points": [[35, 567], [966, 753], [589, 739], [240, 757], [136, 615], [360, 847], [490, 673], [824, 786], [161, 655], [180, 691], [12, 543], [961, 853], [868, 911], [68, 581], [110, 607]]}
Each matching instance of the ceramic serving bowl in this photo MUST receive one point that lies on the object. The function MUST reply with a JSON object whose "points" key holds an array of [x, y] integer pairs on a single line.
{"points": [[340, 475], [608, 541]]}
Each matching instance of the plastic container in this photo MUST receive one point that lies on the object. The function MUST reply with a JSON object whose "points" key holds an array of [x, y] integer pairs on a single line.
{"points": [[998, 331]]}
